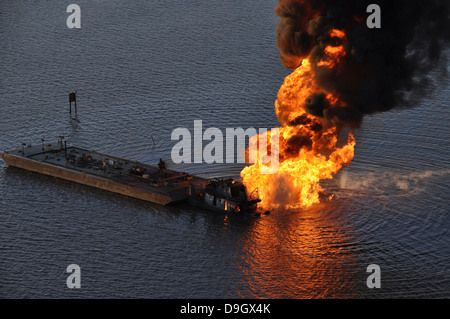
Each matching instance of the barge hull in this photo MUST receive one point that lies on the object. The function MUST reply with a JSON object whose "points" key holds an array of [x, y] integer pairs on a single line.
{"points": [[89, 180]]}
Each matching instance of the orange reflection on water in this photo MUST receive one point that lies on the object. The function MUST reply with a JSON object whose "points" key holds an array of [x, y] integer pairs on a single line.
{"points": [[304, 254]]}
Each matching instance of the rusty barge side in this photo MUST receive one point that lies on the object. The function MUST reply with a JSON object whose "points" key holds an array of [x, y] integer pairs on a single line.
{"points": [[37, 161]]}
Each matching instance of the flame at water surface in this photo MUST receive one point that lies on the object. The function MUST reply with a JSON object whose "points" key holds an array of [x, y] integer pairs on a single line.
{"points": [[308, 146]]}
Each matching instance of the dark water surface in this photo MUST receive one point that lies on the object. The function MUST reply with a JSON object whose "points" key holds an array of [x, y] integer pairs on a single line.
{"points": [[144, 68]]}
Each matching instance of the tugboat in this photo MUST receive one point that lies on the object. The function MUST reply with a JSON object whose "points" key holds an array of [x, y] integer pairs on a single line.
{"points": [[223, 195]]}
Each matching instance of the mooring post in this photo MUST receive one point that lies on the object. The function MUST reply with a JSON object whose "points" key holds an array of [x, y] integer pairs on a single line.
{"points": [[73, 98], [60, 141]]}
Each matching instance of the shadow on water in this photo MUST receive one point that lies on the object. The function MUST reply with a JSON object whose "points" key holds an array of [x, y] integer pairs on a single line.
{"points": [[20, 178]]}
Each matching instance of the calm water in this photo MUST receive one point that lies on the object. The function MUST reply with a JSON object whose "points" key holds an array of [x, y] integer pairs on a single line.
{"points": [[144, 68]]}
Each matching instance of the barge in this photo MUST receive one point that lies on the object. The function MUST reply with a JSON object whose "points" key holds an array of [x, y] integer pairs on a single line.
{"points": [[155, 184]]}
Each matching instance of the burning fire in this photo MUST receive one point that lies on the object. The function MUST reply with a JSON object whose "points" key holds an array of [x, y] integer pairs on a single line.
{"points": [[343, 70], [309, 150]]}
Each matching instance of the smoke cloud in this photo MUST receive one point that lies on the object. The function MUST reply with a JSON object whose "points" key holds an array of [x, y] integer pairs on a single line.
{"points": [[381, 69]]}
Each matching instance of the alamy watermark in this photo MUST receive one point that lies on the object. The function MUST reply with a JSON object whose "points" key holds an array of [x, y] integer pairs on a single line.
{"points": [[374, 279], [74, 279], [190, 149], [74, 19], [373, 20]]}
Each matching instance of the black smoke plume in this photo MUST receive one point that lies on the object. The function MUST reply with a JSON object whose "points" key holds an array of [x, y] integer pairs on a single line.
{"points": [[382, 68]]}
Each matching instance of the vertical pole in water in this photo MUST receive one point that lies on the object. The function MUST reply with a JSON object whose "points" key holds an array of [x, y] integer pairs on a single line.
{"points": [[73, 98]]}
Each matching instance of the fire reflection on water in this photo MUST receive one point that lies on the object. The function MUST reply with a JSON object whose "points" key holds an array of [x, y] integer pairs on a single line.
{"points": [[304, 254]]}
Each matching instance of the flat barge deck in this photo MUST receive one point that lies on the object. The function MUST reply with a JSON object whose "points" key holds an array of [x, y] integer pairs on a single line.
{"points": [[131, 178]]}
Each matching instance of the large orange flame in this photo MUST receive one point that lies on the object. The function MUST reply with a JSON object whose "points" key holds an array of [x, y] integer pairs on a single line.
{"points": [[308, 147]]}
